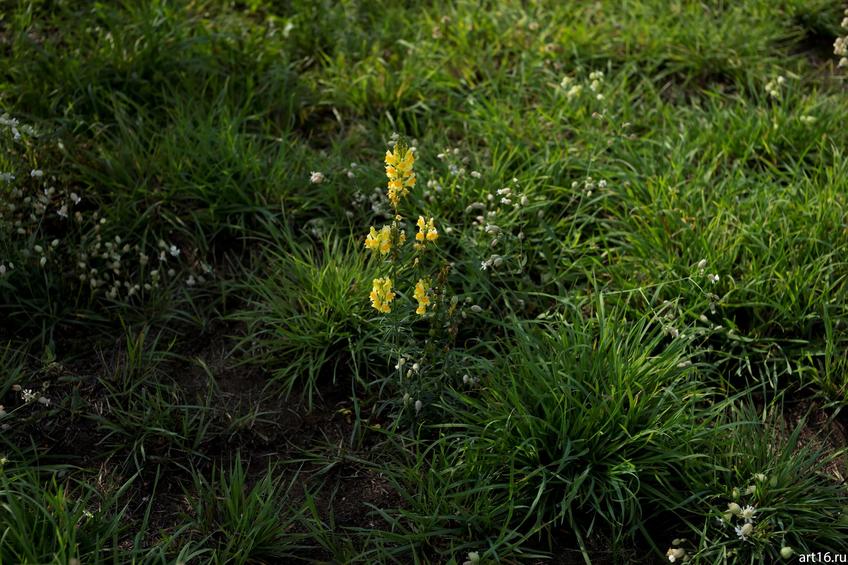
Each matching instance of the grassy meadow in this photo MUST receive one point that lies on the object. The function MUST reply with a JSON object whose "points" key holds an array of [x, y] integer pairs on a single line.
{"points": [[462, 282]]}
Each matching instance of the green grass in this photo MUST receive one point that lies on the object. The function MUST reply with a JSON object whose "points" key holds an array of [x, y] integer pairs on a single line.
{"points": [[637, 296]]}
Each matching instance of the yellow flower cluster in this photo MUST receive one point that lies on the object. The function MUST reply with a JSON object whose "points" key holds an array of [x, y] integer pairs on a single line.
{"points": [[426, 230], [384, 239], [382, 295], [421, 290], [399, 164], [379, 241]]}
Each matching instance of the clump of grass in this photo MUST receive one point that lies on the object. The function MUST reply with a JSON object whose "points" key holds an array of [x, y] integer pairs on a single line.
{"points": [[772, 493], [304, 319], [242, 521], [46, 520], [578, 425]]}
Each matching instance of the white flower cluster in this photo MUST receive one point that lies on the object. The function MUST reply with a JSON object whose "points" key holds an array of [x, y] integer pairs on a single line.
{"points": [[773, 86], [55, 228], [745, 516], [498, 223], [28, 396], [15, 128], [376, 202], [677, 554], [840, 46], [589, 185], [574, 87], [456, 163]]}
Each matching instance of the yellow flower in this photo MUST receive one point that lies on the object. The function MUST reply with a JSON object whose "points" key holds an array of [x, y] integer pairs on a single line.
{"points": [[399, 170], [382, 295], [379, 241], [426, 230], [420, 295]]}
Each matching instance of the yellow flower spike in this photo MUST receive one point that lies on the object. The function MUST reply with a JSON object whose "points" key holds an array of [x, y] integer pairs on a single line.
{"points": [[420, 294], [382, 295], [399, 163]]}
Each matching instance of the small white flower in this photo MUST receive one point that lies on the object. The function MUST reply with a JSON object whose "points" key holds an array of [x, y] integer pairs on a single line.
{"points": [[174, 251], [190, 281], [7, 177], [675, 553], [27, 395], [473, 558], [748, 513], [418, 406], [484, 265], [744, 530], [36, 173], [75, 198], [713, 278], [316, 177], [476, 174], [42, 261], [44, 400], [574, 91]]}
